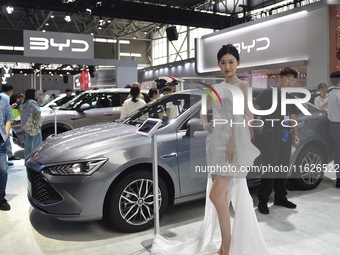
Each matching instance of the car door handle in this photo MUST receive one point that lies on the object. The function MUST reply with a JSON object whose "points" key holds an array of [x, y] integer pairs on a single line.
{"points": [[108, 114], [76, 118], [171, 155]]}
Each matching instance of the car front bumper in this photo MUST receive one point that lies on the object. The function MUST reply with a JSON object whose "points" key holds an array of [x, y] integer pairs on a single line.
{"points": [[76, 198]]}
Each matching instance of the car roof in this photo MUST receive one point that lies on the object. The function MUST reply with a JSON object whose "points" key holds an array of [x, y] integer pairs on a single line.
{"points": [[108, 90]]}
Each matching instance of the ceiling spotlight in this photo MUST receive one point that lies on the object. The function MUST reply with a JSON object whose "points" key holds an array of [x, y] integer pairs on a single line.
{"points": [[47, 24], [9, 9], [101, 22], [67, 1], [88, 11], [99, 4], [67, 18], [52, 16]]}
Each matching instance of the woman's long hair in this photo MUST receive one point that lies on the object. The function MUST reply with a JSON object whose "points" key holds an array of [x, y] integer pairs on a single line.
{"points": [[29, 94], [134, 93]]}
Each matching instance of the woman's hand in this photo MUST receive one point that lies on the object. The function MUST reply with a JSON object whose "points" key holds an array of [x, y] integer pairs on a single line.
{"points": [[252, 135], [231, 149], [208, 126]]}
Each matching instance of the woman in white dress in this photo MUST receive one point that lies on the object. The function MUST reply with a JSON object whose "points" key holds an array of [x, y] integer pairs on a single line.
{"points": [[227, 145]]}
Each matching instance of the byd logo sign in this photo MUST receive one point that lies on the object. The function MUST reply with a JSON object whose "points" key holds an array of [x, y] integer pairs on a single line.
{"points": [[239, 101], [58, 45], [258, 44], [43, 44]]}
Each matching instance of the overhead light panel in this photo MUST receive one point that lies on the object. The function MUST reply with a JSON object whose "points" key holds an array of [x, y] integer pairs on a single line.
{"points": [[67, 18], [88, 11], [9, 9], [101, 21], [67, 1]]}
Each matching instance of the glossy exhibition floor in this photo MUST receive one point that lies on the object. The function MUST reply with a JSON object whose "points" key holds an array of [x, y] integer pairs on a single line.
{"points": [[313, 228]]}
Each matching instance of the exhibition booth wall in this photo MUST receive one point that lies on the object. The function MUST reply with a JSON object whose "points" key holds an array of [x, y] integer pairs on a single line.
{"points": [[303, 38]]}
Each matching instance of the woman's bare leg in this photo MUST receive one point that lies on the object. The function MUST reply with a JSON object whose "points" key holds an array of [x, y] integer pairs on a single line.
{"points": [[218, 196]]}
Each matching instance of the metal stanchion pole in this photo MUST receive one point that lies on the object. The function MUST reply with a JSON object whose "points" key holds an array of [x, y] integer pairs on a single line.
{"points": [[155, 184], [55, 122], [147, 244]]}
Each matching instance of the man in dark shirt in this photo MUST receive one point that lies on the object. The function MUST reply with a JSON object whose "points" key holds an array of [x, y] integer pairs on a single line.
{"points": [[277, 142], [67, 98]]}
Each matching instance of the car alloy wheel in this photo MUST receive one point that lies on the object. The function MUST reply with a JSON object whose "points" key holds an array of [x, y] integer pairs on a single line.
{"points": [[136, 205], [129, 204], [308, 168], [311, 175]]}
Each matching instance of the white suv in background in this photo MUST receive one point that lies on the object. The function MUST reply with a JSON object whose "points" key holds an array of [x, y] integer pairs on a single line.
{"points": [[90, 107]]}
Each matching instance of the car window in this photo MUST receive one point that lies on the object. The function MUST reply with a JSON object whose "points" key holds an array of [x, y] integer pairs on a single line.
{"points": [[76, 101], [195, 115], [117, 99], [166, 108], [93, 101], [57, 102]]}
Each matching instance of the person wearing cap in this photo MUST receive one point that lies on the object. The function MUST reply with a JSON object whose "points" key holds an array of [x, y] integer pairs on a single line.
{"points": [[321, 101]]}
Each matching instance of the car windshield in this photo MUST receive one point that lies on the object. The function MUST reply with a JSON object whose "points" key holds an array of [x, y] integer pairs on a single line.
{"points": [[167, 108], [46, 102], [76, 102]]}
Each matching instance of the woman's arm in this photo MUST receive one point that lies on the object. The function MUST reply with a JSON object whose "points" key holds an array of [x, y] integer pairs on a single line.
{"points": [[244, 87], [206, 126]]}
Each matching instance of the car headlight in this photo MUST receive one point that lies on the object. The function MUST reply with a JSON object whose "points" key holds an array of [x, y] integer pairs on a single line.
{"points": [[80, 167]]}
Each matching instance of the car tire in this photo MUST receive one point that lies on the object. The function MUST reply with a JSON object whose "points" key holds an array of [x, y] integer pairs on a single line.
{"points": [[127, 208], [47, 133], [308, 172]]}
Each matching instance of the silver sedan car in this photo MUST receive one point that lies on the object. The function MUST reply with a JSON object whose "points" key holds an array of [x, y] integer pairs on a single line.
{"points": [[105, 170]]}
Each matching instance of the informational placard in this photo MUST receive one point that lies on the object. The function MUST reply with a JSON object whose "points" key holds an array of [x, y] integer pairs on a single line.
{"points": [[58, 45], [149, 127]]}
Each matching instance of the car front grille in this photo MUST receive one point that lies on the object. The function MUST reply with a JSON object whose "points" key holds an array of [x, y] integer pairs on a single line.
{"points": [[42, 191]]}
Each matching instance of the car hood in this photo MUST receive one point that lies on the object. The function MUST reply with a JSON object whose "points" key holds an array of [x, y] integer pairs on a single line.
{"points": [[85, 142]]}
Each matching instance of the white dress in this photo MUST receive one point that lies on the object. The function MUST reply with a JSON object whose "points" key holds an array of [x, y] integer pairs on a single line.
{"points": [[246, 235]]}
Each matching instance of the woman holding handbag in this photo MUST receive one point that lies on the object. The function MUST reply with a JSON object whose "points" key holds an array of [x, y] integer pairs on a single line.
{"points": [[31, 121]]}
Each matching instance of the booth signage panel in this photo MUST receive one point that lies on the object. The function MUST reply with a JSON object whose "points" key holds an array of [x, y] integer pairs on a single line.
{"points": [[279, 40], [58, 45], [6, 73], [84, 80]]}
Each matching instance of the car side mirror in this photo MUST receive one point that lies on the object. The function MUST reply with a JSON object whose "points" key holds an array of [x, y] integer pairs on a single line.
{"points": [[52, 106], [84, 107], [193, 125]]}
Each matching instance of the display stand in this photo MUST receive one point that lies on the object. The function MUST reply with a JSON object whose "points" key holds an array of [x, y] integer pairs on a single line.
{"points": [[54, 110], [149, 129]]}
